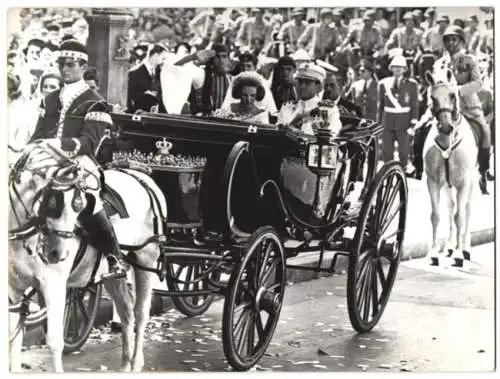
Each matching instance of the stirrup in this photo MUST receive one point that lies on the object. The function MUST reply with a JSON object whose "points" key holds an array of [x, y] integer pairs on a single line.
{"points": [[116, 270]]}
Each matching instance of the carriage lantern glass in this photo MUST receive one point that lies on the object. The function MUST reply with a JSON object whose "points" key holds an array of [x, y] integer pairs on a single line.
{"points": [[322, 155]]}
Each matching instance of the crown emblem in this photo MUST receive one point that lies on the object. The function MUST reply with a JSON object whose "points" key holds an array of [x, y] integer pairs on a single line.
{"points": [[163, 146]]}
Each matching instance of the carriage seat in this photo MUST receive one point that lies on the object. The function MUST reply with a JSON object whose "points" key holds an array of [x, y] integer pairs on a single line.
{"points": [[112, 202]]}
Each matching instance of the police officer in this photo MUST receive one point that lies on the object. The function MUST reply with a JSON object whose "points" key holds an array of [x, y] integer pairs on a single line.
{"points": [[80, 137], [364, 93], [397, 110], [466, 71]]}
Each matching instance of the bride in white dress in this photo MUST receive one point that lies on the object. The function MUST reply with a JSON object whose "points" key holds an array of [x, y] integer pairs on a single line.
{"points": [[247, 91]]}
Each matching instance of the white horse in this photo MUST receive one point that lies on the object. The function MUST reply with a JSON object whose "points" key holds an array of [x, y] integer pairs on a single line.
{"points": [[450, 158], [48, 192]]}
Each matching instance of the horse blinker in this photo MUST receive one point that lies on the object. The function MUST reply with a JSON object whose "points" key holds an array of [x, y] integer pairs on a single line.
{"points": [[52, 204]]}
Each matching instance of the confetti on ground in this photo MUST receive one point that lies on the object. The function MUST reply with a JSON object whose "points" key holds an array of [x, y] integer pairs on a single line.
{"points": [[201, 351], [195, 369], [362, 346], [405, 369], [323, 352], [320, 366], [103, 368], [337, 356], [319, 324], [327, 330], [277, 366], [188, 361], [329, 293], [83, 369], [306, 363], [386, 366], [382, 339], [295, 343], [364, 338], [178, 351]]}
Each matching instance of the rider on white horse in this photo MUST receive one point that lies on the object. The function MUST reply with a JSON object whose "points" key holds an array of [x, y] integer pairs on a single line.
{"points": [[466, 72], [81, 135]]}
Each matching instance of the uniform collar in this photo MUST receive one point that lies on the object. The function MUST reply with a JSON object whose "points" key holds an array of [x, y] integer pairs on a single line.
{"points": [[311, 103], [150, 68]]}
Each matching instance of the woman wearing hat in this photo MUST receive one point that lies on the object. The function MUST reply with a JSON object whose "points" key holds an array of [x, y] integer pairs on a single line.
{"points": [[293, 29]]}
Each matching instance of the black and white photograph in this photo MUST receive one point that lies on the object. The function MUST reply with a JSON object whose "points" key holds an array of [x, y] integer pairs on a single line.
{"points": [[250, 188]]}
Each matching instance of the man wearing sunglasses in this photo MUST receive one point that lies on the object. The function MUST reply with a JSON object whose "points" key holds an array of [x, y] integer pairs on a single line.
{"points": [[69, 123]]}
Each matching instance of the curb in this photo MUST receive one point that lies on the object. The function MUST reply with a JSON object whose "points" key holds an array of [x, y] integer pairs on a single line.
{"points": [[161, 304]]}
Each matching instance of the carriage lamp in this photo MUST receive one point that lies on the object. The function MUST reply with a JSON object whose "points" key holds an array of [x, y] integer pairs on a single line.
{"points": [[322, 155]]}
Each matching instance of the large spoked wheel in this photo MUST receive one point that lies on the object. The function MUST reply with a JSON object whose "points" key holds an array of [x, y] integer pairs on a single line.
{"points": [[80, 313], [189, 305], [375, 258], [253, 303]]}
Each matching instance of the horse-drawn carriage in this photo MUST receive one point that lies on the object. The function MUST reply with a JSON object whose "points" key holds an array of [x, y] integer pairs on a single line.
{"points": [[243, 199]]}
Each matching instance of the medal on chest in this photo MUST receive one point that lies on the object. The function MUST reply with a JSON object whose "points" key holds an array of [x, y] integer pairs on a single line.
{"points": [[407, 97]]}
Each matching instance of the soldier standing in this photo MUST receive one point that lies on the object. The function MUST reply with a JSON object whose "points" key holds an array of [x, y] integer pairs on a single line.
{"points": [[293, 29], [364, 91], [397, 110]]}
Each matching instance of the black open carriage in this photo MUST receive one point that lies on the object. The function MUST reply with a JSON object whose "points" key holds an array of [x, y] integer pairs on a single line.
{"points": [[242, 199]]}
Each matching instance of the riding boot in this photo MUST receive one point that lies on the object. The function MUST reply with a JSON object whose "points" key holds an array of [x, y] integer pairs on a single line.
{"points": [[103, 237], [484, 165]]}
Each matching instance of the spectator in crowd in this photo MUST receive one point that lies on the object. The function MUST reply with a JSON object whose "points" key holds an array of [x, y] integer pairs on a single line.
{"points": [[419, 18], [283, 83], [430, 19], [486, 44], [365, 91], [432, 39], [145, 76], [293, 29], [47, 56], [471, 28], [91, 77], [319, 39], [381, 22], [254, 29], [407, 37], [368, 37], [459, 22], [338, 23], [54, 33], [80, 30]]}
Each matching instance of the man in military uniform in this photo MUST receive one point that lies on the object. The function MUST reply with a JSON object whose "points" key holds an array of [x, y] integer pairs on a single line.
{"points": [[293, 29], [397, 110], [432, 40], [321, 37], [79, 137], [466, 71], [364, 93], [368, 37], [310, 80], [407, 37]]}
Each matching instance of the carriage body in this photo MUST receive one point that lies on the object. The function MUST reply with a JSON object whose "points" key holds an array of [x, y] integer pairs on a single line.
{"points": [[258, 200]]}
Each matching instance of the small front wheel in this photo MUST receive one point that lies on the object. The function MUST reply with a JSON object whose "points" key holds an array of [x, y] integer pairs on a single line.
{"points": [[253, 303]]}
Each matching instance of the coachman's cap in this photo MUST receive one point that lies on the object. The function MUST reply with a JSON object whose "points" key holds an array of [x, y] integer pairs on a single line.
{"points": [[73, 49], [310, 71]]}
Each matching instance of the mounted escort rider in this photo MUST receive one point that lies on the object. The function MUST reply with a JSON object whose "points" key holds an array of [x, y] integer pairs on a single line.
{"points": [[299, 115], [467, 75], [80, 136]]}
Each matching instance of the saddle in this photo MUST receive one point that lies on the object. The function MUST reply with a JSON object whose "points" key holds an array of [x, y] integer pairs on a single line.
{"points": [[477, 129], [113, 202]]}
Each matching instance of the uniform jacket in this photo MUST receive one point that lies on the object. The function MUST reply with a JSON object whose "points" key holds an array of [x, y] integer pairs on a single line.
{"points": [[366, 100], [464, 67], [367, 38], [321, 39], [407, 41], [140, 81], [290, 32], [249, 30], [406, 96], [88, 134]]}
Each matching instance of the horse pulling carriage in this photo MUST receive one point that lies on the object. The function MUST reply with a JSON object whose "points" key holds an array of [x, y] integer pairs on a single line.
{"points": [[243, 199]]}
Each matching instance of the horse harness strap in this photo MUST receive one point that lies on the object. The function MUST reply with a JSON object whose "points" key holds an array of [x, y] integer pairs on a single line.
{"points": [[445, 153]]}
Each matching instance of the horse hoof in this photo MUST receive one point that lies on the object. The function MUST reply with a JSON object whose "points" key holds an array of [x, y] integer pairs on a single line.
{"points": [[466, 255], [434, 261], [459, 262], [450, 253]]}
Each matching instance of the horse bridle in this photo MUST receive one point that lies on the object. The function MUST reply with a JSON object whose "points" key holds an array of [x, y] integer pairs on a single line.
{"points": [[37, 223], [452, 111]]}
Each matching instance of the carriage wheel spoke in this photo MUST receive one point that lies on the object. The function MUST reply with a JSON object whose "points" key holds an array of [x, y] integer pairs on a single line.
{"points": [[67, 311], [83, 309], [362, 285], [197, 273], [251, 334], [383, 279], [242, 306], [387, 204], [363, 263], [366, 290], [382, 194], [264, 261], [268, 272], [241, 321], [260, 327], [178, 270], [244, 333], [389, 219], [375, 292]]}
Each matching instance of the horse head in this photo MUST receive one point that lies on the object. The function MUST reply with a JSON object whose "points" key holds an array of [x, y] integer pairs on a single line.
{"points": [[445, 100], [49, 192]]}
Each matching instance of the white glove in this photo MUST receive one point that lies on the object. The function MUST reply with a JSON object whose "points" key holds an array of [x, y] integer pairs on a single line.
{"points": [[411, 131]]}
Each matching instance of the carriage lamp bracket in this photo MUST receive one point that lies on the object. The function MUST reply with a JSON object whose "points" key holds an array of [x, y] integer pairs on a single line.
{"points": [[323, 155]]}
